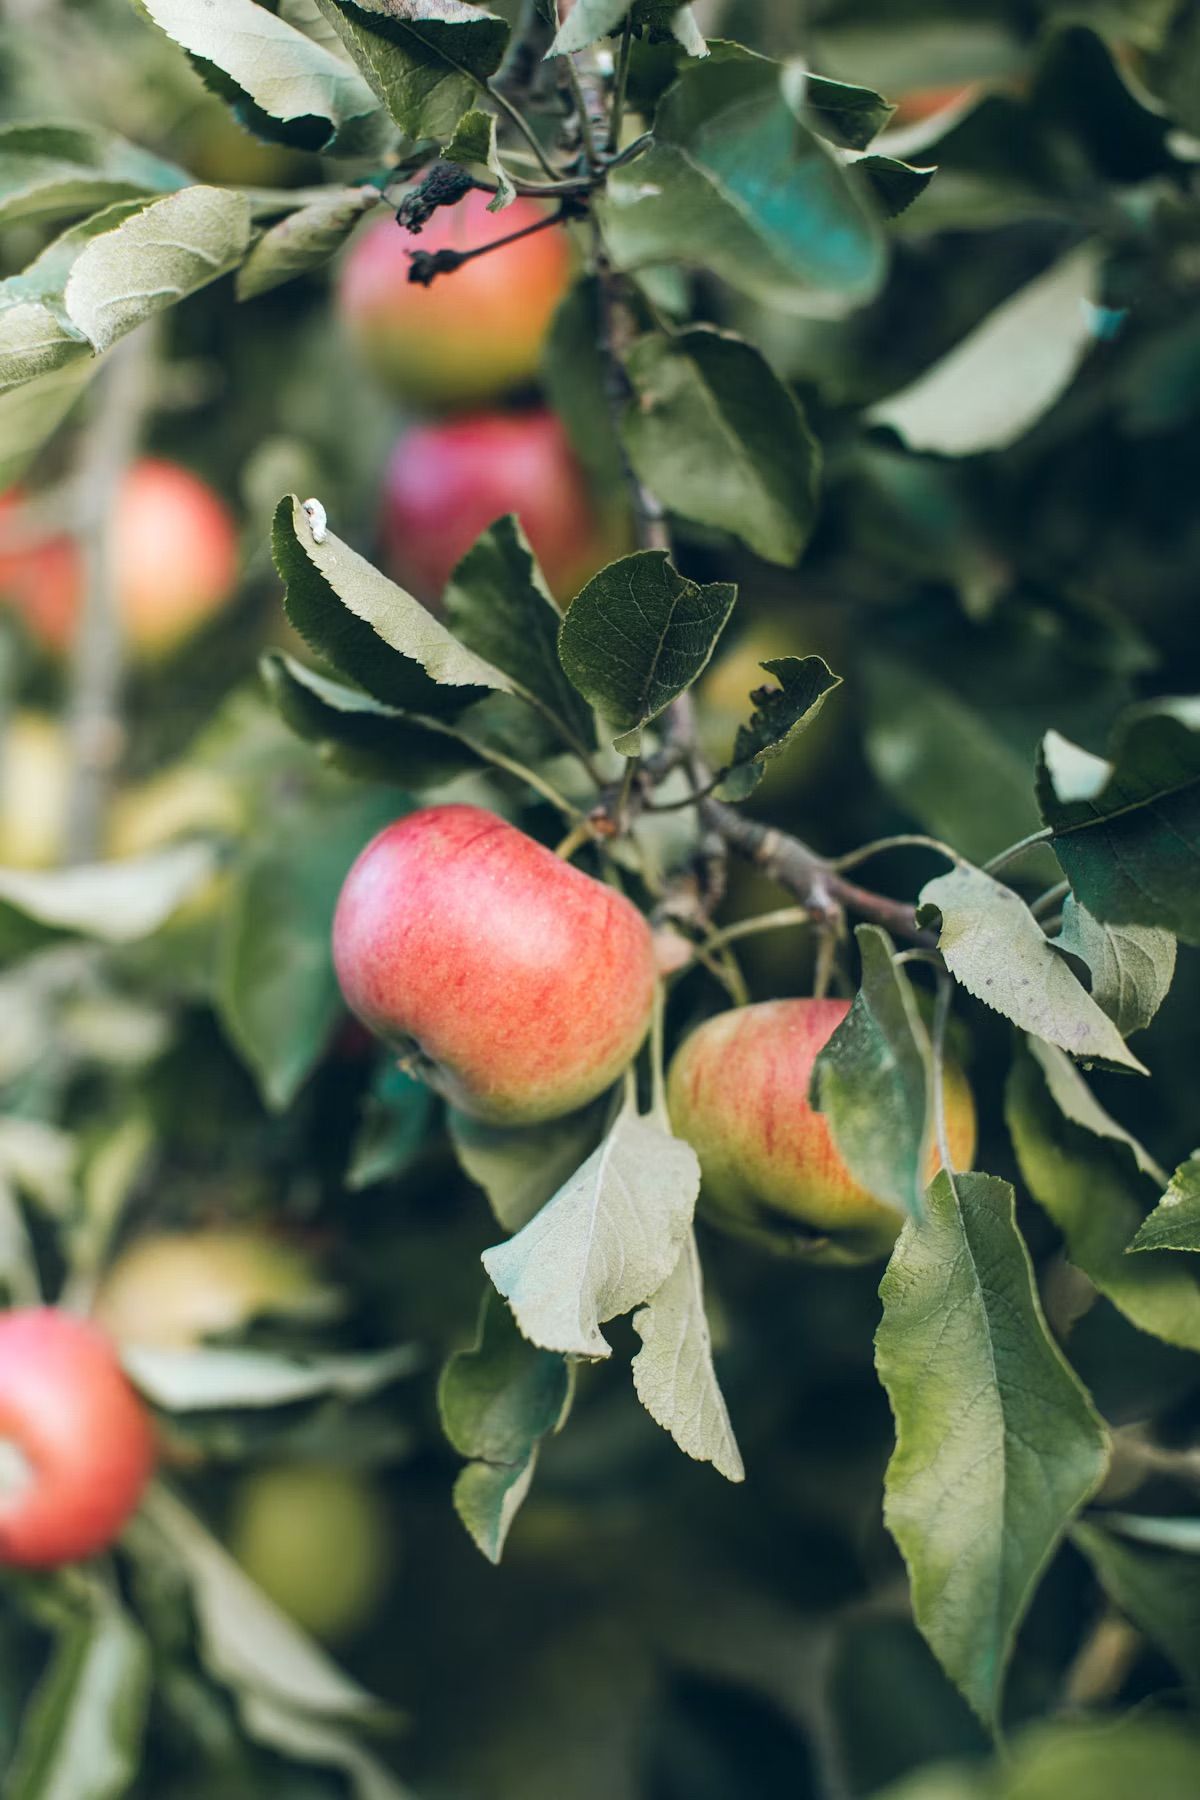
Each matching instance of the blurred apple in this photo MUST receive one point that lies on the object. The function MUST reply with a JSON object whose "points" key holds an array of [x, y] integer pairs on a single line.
{"points": [[184, 799], [174, 550], [474, 333], [35, 775], [921, 103], [448, 482], [318, 1540], [174, 1290]]}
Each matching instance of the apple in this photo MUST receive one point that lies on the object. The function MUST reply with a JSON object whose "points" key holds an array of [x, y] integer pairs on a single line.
{"points": [[76, 1443], [446, 483], [318, 1540], [174, 549], [172, 1290], [35, 779], [921, 103], [180, 801], [738, 1092], [472, 334], [513, 983]]}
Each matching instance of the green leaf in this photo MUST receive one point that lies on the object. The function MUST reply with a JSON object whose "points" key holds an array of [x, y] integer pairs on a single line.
{"points": [[995, 948], [361, 735], [305, 240], [935, 753], [673, 1371], [1139, 1754], [277, 995], [1127, 830], [155, 258], [1007, 372], [997, 1443], [426, 59], [1170, 1533], [848, 116], [497, 604], [575, 377], [590, 20], [211, 1378], [1175, 1222], [305, 1739], [1132, 966], [497, 1401], [48, 171], [519, 1170], [606, 1242], [894, 184], [734, 183], [247, 1641], [782, 710], [282, 85], [115, 903], [1076, 1101], [33, 411], [721, 440], [395, 1121], [1159, 1590], [637, 636], [34, 341], [1095, 1196], [370, 628], [474, 142], [81, 1735], [874, 1082]]}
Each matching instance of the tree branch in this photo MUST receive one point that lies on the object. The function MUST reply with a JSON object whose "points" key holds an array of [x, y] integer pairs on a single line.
{"points": [[94, 725]]}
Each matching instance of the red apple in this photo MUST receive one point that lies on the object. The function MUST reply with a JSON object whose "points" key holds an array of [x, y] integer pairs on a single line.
{"points": [[174, 549], [519, 986], [446, 483], [76, 1443], [472, 334], [921, 103], [738, 1092]]}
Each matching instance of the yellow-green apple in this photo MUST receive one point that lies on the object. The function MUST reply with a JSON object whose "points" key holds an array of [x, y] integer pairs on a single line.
{"points": [[76, 1443], [172, 1290], [513, 983], [738, 1092], [35, 775], [174, 550], [446, 483], [472, 334], [318, 1540]]}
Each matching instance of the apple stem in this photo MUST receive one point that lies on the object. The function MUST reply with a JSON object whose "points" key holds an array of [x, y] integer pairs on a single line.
{"points": [[575, 839], [522, 124], [426, 265]]}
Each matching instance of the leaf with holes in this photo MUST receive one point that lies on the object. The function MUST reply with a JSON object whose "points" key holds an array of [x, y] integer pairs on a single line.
{"points": [[783, 708]]}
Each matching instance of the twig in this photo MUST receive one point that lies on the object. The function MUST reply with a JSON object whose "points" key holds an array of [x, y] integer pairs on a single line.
{"points": [[426, 265], [523, 126], [94, 723], [621, 85]]}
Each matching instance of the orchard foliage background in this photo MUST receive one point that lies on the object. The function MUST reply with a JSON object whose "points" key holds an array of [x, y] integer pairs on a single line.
{"points": [[904, 405]]}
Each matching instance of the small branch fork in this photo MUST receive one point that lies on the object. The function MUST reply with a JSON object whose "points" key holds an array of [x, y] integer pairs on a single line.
{"points": [[818, 885]]}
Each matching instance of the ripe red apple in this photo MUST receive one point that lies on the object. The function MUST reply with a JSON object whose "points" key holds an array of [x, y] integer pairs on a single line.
{"points": [[472, 334], [76, 1443], [174, 548], [446, 483], [738, 1092], [520, 986]]}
